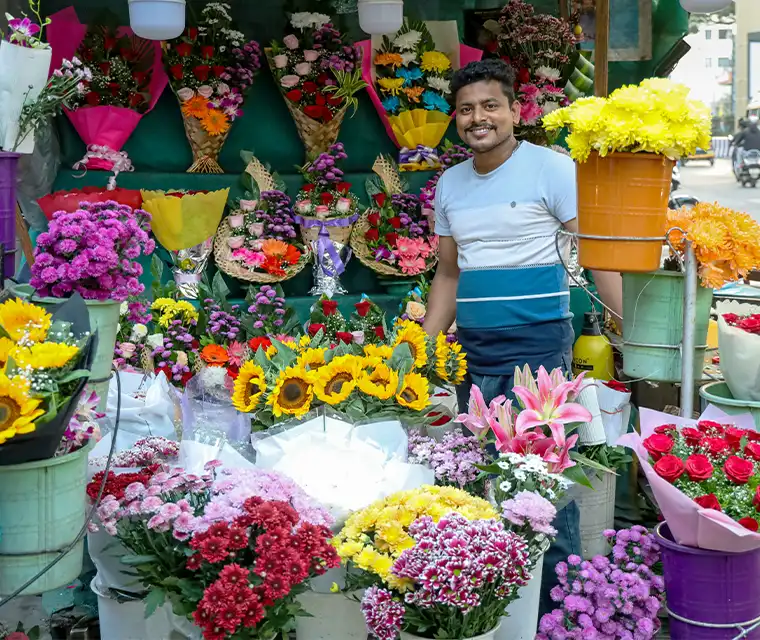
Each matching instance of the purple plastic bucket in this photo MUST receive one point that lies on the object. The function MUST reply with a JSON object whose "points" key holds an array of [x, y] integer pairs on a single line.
{"points": [[8, 165], [709, 588]]}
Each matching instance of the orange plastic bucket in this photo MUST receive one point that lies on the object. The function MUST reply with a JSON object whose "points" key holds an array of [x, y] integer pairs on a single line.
{"points": [[623, 194]]}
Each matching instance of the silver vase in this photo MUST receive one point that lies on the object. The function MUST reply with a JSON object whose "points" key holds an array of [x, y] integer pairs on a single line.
{"points": [[330, 262]]}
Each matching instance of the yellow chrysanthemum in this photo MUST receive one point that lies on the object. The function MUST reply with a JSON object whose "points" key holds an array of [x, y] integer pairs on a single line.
{"points": [[336, 381], [17, 410], [415, 337], [391, 85], [380, 383], [450, 362], [435, 61], [414, 393], [160, 303], [293, 393], [5, 348], [312, 359], [249, 387], [44, 355], [174, 309], [23, 321]]}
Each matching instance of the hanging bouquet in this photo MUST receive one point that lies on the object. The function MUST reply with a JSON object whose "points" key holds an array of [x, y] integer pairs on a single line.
{"points": [[393, 238], [739, 340], [93, 252], [655, 116], [318, 74], [408, 78], [127, 79], [211, 67], [70, 200]]}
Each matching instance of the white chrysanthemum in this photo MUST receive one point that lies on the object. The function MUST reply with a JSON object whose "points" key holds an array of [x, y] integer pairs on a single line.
{"points": [[549, 106], [123, 308], [548, 73], [439, 84], [408, 40], [213, 377], [408, 57], [306, 20], [139, 331]]}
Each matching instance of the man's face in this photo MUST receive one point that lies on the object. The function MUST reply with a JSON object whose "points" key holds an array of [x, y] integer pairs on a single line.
{"points": [[484, 117]]}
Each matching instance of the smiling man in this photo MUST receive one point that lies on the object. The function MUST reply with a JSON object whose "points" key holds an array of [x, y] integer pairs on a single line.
{"points": [[499, 274]]}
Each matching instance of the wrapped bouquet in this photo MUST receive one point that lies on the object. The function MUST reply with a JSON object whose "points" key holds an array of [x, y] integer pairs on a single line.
{"points": [[365, 326], [69, 201]]}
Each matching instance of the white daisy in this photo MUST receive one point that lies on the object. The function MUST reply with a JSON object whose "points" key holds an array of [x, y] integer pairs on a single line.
{"points": [[439, 84], [408, 40], [548, 73]]}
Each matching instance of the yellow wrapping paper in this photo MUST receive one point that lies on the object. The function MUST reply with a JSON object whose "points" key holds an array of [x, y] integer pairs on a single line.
{"points": [[180, 223]]}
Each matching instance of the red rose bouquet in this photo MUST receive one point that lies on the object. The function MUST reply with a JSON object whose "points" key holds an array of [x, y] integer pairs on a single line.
{"points": [[704, 475], [127, 81], [739, 340], [211, 67]]}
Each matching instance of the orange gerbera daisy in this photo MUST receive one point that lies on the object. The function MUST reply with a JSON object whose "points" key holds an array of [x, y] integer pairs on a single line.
{"points": [[414, 93], [275, 248], [273, 266], [389, 60], [214, 355], [215, 122], [197, 107], [292, 255]]}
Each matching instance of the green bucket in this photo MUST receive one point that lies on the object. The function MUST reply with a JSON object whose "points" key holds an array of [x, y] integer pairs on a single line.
{"points": [[42, 509], [653, 326], [718, 394]]}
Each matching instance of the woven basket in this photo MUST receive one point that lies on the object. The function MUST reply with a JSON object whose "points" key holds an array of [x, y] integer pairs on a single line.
{"points": [[316, 136], [234, 268], [337, 234], [205, 148]]}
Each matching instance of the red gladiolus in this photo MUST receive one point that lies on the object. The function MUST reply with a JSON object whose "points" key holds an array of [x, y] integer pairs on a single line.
{"points": [[315, 328], [329, 307], [207, 52], [363, 307], [184, 49], [373, 235], [374, 219], [218, 70], [326, 198], [294, 95], [379, 199], [201, 72], [92, 99], [391, 238], [176, 71], [344, 337], [310, 86], [710, 501], [259, 343]]}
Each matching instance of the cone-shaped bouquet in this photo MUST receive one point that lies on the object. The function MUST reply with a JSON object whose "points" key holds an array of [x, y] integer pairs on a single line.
{"points": [[258, 242], [408, 77], [211, 67], [394, 237], [69, 201], [185, 224], [127, 79], [318, 75]]}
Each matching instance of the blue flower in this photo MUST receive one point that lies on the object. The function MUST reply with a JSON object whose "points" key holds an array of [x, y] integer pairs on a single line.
{"points": [[391, 104], [409, 75], [435, 101]]}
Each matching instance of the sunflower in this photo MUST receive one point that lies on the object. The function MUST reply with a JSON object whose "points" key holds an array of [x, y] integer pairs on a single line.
{"points": [[450, 362], [17, 410], [5, 348], [414, 392], [337, 380], [292, 393], [413, 335], [380, 383], [23, 321], [382, 351], [305, 341], [311, 358], [44, 355], [249, 385], [215, 122], [197, 107]]}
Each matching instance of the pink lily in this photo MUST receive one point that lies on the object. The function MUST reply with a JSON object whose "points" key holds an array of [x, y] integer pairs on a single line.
{"points": [[476, 420]]}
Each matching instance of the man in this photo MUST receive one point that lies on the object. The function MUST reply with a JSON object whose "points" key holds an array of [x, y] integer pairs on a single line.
{"points": [[498, 273]]}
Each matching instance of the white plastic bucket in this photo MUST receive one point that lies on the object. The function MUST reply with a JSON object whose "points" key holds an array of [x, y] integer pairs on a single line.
{"points": [[120, 620], [157, 19], [521, 621], [490, 635], [333, 615], [597, 510]]}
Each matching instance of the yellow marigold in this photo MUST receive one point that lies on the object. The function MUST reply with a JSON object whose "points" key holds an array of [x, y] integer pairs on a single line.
{"points": [[435, 61], [249, 387], [391, 85], [17, 410], [389, 60], [23, 321], [44, 355]]}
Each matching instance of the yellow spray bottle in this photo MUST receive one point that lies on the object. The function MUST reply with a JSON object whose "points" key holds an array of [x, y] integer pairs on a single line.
{"points": [[593, 353]]}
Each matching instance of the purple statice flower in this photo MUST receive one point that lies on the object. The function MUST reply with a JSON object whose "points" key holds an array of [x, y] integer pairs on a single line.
{"points": [[452, 460], [530, 509]]}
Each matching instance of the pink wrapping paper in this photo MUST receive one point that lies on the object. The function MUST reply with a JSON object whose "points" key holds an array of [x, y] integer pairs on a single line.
{"points": [[690, 524], [466, 55], [102, 125]]}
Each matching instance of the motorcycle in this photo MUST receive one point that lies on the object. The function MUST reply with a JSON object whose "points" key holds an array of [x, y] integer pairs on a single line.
{"points": [[747, 168], [676, 201]]}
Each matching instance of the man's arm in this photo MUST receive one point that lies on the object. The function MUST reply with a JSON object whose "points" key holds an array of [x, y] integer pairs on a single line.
{"points": [[442, 299], [609, 284]]}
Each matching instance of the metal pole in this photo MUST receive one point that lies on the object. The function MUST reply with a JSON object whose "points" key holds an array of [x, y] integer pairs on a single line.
{"points": [[689, 324]]}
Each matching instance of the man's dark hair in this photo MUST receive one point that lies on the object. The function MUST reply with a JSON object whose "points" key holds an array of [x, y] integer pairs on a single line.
{"points": [[485, 71]]}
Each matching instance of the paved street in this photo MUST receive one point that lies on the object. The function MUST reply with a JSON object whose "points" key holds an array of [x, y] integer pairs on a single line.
{"points": [[708, 183]]}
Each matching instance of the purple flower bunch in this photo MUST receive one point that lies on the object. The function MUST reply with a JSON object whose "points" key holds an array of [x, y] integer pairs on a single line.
{"points": [[452, 460], [343, 57], [222, 326], [247, 64], [171, 355], [93, 252], [407, 208], [453, 154], [608, 600], [268, 310], [276, 215], [464, 574], [323, 171], [138, 312]]}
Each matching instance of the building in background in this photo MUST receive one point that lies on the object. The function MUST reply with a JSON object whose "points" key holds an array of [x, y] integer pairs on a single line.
{"points": [[747, 70]]}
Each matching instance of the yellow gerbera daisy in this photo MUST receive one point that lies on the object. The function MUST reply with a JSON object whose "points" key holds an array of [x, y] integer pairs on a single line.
{"points": [[312, 359], [380, 383], [292, 393], [414, 392], [249, 386], [23, 321], [435, 61], [17, 410], [44, 355], [413, 335], [337, 379]]}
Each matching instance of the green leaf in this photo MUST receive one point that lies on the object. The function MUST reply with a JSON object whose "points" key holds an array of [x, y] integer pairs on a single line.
{"points": [[219, 288], [577, 475], [74, 375], [135, 560], [33, 633], [588, 462], [246, 156], [155, 599]]}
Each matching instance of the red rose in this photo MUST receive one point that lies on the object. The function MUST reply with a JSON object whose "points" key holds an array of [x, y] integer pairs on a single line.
{"points": [[692, 436], [665, 428], [395, 222], [135, 100], [307, 188], [523, 76], [314, 329], [218, 70], [738, 470], [294, 95], [310, 86], [326, 198], [326, 114], [114, 87], [658, 445], [669, 468], [322, 78], [731, 318], [379, 198], [192, 33], [313, 111], [391, 238], [752, 450], [105, 68], [380, 332], [334, 101], [329, 307], [344, 336], [259, 343], [756, 499], [709, 425], [92, 99], [363, 307], [176, 71], [109, 42], [715, 446], [374, 219], [699, 467], [343, 187], [734, 437], [750, 325], [233, 371], [140, 78], [201, 72], [320, 99], [492, 46], [749, 523], [616, 386], [207, 52], [710, 501], [184, 49], [373, 235]]}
